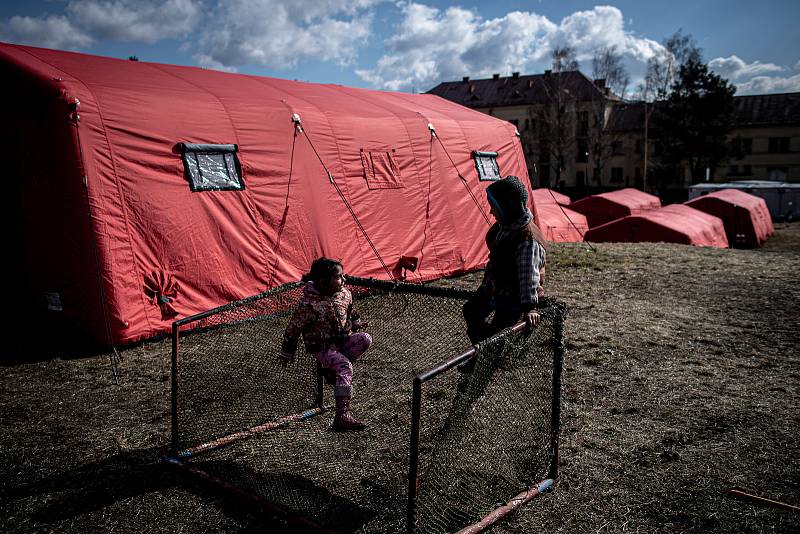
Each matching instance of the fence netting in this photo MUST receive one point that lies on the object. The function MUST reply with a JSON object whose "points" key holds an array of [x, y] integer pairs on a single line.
{"points": [[241, 417]]}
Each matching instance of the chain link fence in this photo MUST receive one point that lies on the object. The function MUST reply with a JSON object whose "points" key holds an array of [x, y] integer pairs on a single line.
{"points": [[442, 448]]}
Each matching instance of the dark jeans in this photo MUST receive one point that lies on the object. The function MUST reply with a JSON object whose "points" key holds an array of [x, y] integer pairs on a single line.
{"points": [[476, 312]]}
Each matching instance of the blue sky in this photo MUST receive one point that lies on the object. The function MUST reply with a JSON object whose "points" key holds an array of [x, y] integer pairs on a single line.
{"points": [[412, 46]]}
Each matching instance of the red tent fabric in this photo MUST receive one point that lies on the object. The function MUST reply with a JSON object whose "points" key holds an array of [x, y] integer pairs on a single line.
{"points": [[600, 209], [746, 217], [675, 223], [113, 237], [560, 224], [544, 195]]}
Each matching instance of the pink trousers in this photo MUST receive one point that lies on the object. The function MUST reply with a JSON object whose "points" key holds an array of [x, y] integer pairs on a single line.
{"points": [[340, 361]]}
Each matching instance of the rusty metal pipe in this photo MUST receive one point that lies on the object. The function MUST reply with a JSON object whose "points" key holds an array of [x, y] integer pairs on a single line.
{"points": [[739, 494], [464, 356], [248, 432], [507, 508]]}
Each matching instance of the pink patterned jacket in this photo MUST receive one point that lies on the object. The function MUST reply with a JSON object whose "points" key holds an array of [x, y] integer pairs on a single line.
{"points": [[325, 321]]}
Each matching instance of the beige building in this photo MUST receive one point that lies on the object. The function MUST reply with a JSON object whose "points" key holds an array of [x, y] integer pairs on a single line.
{"points": [[580, 138]]}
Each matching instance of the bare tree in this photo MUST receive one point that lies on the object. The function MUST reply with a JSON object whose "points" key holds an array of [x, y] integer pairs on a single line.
{"points": [[602, 142], [662, 72], [607, 65], [564, 59], [663, 67], [556, 118]]}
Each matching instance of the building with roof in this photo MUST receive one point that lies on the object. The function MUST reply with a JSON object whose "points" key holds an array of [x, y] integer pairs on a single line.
{"points": [[562, 119], [580, 138]]}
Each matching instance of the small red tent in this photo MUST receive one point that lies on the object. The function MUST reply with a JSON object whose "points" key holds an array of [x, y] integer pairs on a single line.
{"points": [[600, 209], [746, 217], [137, 193], [544, 195], [558, 224], [675, 223]]}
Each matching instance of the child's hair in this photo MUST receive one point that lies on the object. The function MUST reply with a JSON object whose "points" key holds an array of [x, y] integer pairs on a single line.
{"points": [[321, 269]]}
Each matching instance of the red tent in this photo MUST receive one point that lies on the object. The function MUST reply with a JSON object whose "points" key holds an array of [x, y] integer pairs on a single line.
{"points": [[675, 223], [557, 223], [746, 217], [143, 192], [548, 196], [600, 209], [560, 224]]}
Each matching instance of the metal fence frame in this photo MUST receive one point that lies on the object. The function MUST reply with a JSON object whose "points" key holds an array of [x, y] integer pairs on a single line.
{"points": [[177, 459]]}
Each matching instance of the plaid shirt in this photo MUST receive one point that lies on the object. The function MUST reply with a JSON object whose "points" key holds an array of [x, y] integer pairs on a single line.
{"points": [[530, 269]]}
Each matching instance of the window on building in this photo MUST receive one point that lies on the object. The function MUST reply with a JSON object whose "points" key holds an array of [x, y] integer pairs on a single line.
{"points": [[544, 151], [486, 163], [544, 175], [212, 167], [616, 174], [583, 124], [742, 145], [777, 174], [638, 146], [778, 144], [616, 148], [582, 153]]}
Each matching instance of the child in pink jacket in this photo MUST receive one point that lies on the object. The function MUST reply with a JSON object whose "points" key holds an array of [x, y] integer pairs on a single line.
{"points": [[331, 331]]}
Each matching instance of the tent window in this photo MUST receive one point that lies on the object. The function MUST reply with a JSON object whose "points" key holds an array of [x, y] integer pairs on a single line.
{"points": [[380, 169], [486, 163], [212, 167]]}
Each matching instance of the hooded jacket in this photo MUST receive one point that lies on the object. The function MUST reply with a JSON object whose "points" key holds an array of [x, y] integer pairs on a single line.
{"points": [[325, 321]]}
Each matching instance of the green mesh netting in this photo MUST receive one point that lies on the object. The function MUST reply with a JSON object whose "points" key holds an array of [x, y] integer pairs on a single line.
{"points": [[484, 437]]}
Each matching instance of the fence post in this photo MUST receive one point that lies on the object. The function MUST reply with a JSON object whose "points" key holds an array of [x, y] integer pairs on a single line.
{"points": [[175, 333], [413, 463], [558, 361]]}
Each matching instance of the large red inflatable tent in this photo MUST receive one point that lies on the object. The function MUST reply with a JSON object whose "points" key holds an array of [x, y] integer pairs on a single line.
{"points": [[544, 195], [137, 192], [605, 207], [558, 224], [746, 217], [675, 223]]}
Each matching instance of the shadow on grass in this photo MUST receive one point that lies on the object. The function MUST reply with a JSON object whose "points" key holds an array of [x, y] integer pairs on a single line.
{"points": [[98, 485]]}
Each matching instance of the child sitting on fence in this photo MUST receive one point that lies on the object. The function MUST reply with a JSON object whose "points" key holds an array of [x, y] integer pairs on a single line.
{"points": [[331, 330], [512, 283]]}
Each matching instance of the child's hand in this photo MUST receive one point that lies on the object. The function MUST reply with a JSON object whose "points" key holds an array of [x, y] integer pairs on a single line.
{"points": [[532, 318], [285, 358], [359, 325]]}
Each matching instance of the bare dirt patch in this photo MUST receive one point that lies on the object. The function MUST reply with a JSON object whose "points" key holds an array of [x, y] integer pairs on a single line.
{"points": [[682, 379]]}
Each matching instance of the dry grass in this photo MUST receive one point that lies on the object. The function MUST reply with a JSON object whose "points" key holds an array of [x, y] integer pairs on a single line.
{"points": [[682, 379]]}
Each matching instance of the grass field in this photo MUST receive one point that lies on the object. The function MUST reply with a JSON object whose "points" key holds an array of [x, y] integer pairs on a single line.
{"points": [[681, 380]]}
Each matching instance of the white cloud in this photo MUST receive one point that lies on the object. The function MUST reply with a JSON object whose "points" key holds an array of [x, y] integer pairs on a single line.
{"points": [[85, 21], [146, 21], [51, 31], [734, 67], [430, 45], [278, 33], [769, 84]]}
